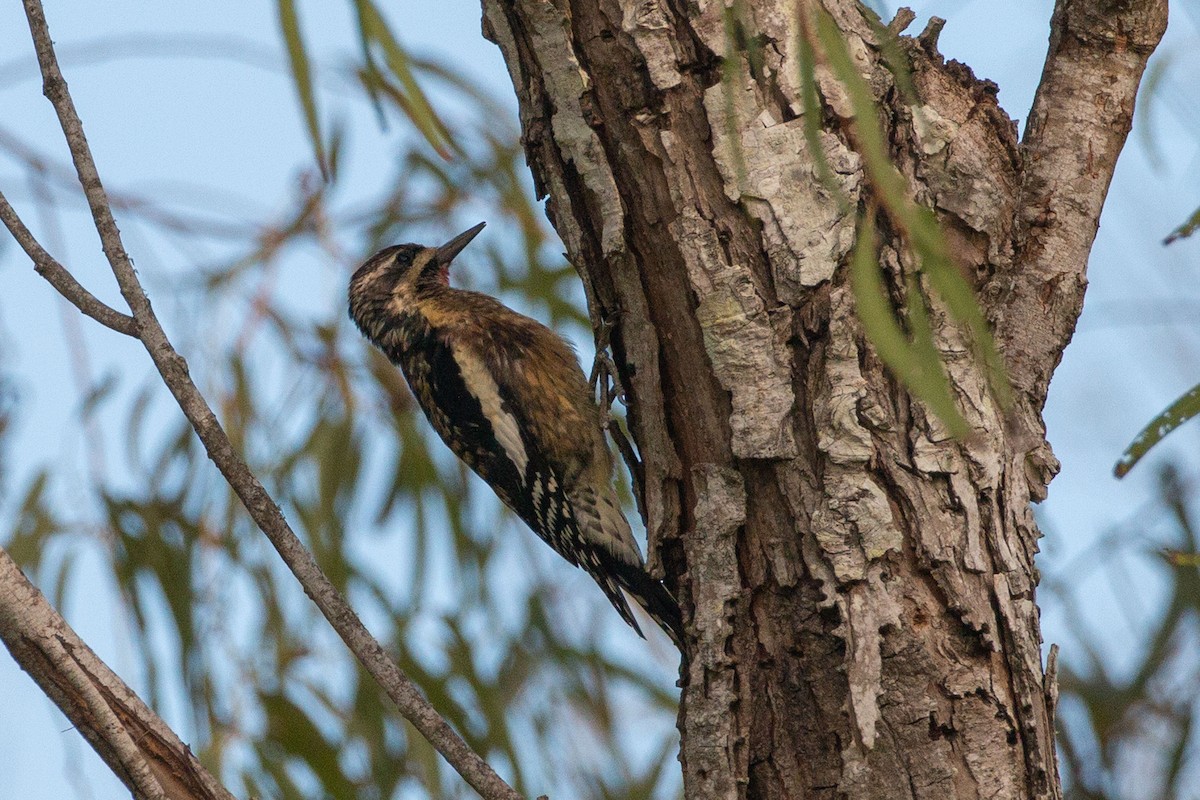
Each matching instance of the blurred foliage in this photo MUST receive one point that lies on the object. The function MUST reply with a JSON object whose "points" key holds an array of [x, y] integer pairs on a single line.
{"points": [[520, 652], [8, 399], [293, 38], [1128, 714], [1188, 227]]}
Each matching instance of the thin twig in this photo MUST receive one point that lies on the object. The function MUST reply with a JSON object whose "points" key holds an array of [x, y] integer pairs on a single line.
{"points": [[262, 508], [61, 279]]}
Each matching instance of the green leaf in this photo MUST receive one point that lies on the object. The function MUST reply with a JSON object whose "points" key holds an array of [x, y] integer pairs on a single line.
{"points": [[294, 731], [1149, 94], [731, 71], [36, 523], [100, 391], [410, 98], [812, 120], [1175, 415], [368, 57], [289, 24], [1185, 230], [953, 288], [894, 58], [916, 363], [870, 141], [934, 386], [916, 223]]}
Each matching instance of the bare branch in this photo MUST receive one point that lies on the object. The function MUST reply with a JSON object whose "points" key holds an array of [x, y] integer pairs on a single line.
{"points": [[129, 759], [1080, 119], [139, 747], [262, 508], [61, 279]]}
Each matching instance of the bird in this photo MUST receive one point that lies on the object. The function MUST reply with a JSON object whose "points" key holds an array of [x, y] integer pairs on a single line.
{"points": [[508, 397]]}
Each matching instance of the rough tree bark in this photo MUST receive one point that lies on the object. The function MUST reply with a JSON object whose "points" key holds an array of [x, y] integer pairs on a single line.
{"points": [[141, 750], [859, 586]]}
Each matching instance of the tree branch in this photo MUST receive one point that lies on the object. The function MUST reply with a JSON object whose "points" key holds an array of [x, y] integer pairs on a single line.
{"points": [[139, 747], [1080, 119], [262, 508], [61, 279]]}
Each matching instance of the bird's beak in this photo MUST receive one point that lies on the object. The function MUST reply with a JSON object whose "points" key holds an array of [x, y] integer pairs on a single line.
{"points": [[447, 252]]}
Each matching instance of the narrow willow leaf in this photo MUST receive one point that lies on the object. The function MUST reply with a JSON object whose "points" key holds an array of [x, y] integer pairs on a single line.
{"points": [[894, 58], [289, 24], [489, 699], [922, 230], [1185, 230], [1178, 759], [1178, 558], [752, 46], [368, 57], [1147, 102], [416, 106], [875, 308], [292, 729], [97, 394], [35, 524], [934, 388], [812, 120], [869, 133], [156, 547], [66, 570], [1175, 415], [915, 363], [953, 288], [730, 72]]}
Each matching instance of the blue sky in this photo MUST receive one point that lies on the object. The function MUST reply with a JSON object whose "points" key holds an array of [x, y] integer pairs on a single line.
{"points": [[171, 120]]}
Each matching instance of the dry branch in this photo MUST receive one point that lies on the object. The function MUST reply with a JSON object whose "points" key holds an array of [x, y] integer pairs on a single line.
{"points": [[137, 745], [61, 279]]}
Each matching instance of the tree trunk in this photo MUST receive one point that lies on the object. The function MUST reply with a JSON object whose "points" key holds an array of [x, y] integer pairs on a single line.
{"points": [[859, 586]]}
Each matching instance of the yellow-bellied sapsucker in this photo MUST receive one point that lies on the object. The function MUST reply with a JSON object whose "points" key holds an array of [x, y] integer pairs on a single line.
{"points": [[507, 395]]}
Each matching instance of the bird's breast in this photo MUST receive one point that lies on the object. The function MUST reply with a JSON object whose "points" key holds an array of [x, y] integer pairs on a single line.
{"points": [[458, 397]]}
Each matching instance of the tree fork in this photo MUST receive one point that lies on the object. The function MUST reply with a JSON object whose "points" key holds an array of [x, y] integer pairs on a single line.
{"points": [[860, 586]]}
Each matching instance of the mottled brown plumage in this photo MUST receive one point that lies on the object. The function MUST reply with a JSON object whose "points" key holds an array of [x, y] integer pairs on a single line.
{"points": [[507, 395]]}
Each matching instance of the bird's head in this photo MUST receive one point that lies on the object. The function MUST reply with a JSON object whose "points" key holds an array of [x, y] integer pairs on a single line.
{"points": [[400, 273]]}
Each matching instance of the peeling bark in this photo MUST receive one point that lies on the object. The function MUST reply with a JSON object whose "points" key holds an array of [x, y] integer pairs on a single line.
{"points": [[859, 586], [135, 743]]}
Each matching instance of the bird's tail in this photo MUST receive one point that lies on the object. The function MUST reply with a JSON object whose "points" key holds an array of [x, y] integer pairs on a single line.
{"points": [[615, 562], [659, 603], [649, 593]]}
